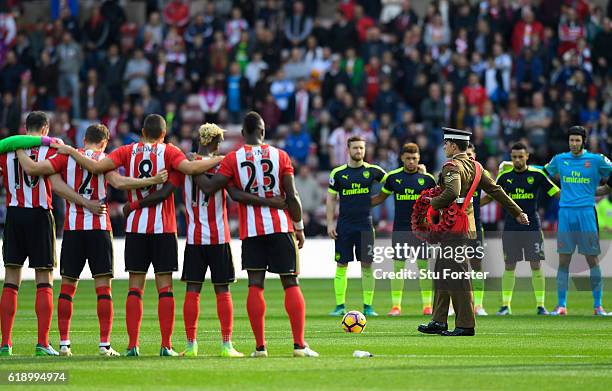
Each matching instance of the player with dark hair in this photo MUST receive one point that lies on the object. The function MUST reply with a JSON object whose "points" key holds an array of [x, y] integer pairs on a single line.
{"points": [[350, 185], [524, 184], [579, 173], [406, 184], [87, 236], [150, 232], [29, 232], [268, 235]]}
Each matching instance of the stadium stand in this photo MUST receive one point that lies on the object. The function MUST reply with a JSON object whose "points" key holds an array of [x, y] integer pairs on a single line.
{"points": [[318, 71]]}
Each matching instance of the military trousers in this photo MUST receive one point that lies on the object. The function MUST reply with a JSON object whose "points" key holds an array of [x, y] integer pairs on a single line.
{"points": [[452, 282]]}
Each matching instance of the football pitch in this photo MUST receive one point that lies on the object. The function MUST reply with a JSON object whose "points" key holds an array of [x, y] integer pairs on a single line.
{"points": [[518, 352]]}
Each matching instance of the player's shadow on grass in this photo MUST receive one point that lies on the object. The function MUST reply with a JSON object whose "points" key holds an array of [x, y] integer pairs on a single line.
{"points": [[51, 363]]}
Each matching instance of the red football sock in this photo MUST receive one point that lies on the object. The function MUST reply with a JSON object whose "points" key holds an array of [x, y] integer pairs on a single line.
{"points": [[225, 312], [64, 310], [44, 311], [8, 308], [105, 313], [256, 308], [296, 309], [133, 315], [191, 313], [165, 312]]}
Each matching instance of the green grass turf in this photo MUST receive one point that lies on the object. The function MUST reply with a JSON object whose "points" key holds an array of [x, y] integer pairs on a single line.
{"points": [[519, 352]]}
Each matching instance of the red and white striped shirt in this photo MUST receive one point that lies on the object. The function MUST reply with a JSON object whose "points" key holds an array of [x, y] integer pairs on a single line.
{"points": [[490, 213], [24, 191], [206, 216], [259, 170], [88, 185], [142, 160]]}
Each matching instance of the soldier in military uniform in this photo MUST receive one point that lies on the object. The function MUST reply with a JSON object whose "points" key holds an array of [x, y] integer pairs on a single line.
{"points": [[457, 175]]}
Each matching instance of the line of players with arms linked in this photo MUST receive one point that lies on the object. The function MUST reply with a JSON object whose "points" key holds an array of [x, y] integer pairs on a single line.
{"points": [[258, 176], [579, 174]]}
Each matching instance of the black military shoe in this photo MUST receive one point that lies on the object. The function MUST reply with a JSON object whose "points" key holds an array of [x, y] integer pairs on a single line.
{"points": [[458, 332], [433, 327]]}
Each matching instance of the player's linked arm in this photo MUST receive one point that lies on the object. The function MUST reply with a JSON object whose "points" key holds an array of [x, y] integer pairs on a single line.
{"points": [[33, 168], [151, 199], [382, 194], [93, 166], [196, 167], [211, 185], [14, 143], [551, 173], [63, 190], [379, 198], [251, 199], [554, 190], [555, 179], [292, 198], [294, 207], [121, 182], [557, 191]]}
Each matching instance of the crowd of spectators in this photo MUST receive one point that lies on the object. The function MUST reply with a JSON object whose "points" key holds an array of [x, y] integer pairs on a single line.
{"points": [[319, 72]]}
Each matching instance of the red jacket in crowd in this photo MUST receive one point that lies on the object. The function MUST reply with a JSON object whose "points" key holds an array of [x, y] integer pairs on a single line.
{"points": [[523, 34], [475, 96]]}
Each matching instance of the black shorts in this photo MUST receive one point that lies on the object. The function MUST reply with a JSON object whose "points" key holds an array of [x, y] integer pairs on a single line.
{"points": [[413, 243], [276, 253], [217, 257], [523, 246], [94, 247], [29, 233], [142, 250], [354, 244]]}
